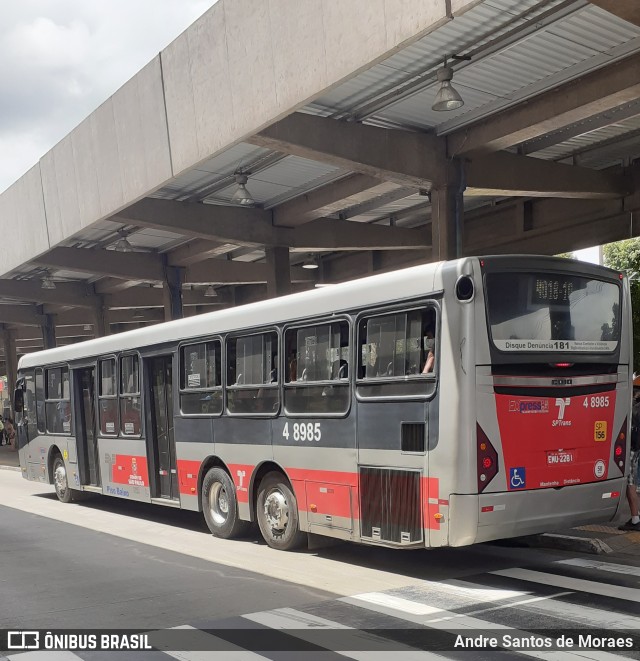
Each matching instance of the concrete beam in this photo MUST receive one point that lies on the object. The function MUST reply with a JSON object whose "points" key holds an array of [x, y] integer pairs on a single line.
{"points": [[220, 271], [65, 293], [250, 227], [327, 199], [21, 315], [584, 97], [331, 234], [627, 10], [113, 285], [128, 266], [197, 251], [505, 174], [408, 159]]}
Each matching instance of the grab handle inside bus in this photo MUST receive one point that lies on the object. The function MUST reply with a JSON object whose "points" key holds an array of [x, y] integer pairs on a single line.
{"points": [[18, 400]]}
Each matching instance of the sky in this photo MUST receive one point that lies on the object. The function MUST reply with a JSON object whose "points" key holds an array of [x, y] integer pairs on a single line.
{"points": [[62, 58]]}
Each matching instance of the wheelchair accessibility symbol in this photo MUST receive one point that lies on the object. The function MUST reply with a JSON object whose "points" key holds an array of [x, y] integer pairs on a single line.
{"points": [[517, 477]]}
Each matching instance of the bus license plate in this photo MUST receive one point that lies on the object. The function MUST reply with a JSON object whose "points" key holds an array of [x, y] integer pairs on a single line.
{"points": [[559, 458]]}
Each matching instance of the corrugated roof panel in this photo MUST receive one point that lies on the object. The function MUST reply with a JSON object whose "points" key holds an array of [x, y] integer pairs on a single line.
{"points": [[416, 110], [295, 171], [483, 23], [232, 159], [596, 27], [591, 139]]}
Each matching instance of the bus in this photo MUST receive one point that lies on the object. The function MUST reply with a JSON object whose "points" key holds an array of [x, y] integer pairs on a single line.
{"points": [[440, 405]]}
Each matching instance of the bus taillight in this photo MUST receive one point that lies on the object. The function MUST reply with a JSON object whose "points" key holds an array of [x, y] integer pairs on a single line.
{"points": [[487, 460], [620, 447]]}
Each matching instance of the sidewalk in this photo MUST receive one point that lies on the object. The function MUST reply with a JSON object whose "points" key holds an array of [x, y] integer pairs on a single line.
{"points": [[597, 538]]}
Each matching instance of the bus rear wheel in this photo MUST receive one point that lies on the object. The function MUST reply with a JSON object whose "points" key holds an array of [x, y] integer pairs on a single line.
{"points": [[277, 514], [60, 482], [220, 505]]}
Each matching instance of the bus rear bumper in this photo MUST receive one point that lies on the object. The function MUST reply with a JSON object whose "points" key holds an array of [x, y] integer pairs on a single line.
{"points": [[484, 517]]}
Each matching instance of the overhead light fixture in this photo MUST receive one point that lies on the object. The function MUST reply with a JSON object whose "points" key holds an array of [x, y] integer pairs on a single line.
{"points": [[47, 282], [122, 244], [242, 196], [310, 263], [447, 97], [87, 327], [210, 292]]}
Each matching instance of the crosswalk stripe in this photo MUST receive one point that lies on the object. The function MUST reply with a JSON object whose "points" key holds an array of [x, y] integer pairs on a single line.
{"points": [[45, 655], [231, 652], [458, 622], [602, 566], [568, 583], [296, 623]]}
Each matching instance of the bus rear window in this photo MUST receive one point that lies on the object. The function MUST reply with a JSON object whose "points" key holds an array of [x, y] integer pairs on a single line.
{"points": [[552, 312]]}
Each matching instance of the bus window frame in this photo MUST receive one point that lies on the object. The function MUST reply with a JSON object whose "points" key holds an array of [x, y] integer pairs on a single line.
{"points": [[252, 387], [43, 418], [221, 388], [115, 396], [46, 369], [430, 378], [348, 382], [138, 394]]}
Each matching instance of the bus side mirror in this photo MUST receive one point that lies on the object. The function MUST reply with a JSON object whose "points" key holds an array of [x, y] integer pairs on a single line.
{"points": [[18, 400]]}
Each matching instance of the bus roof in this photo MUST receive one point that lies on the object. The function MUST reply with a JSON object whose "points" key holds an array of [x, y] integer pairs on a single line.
{"points": [[377, 289]]}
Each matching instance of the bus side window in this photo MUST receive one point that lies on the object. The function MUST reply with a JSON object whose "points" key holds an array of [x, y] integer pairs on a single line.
{"points": [[130, 417], [317, 378], [252, 374]]}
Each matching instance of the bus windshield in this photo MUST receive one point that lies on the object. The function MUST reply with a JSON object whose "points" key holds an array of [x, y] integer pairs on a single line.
{"points": [[552, 312]]}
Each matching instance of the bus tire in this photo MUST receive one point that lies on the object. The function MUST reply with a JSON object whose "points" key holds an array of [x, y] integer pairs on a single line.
{"points": [[277, 514], [60, 482], [220, 505]]}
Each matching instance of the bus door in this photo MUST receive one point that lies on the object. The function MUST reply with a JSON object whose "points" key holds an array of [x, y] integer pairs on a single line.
{"points": [[87, 438], [395, 382], [161, 437]]}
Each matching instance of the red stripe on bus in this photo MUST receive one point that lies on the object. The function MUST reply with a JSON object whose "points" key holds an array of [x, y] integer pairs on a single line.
{"points": [[430, 490], [188, 472], [130, 470]]}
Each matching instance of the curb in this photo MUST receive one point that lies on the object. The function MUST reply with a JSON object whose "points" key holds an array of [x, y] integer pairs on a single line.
{"points": [[568, 543], [10, 468]]}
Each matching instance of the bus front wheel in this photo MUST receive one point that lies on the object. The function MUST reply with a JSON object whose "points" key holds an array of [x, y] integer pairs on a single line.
{"points": [[220, 505], [64, 493], [277, 514]]}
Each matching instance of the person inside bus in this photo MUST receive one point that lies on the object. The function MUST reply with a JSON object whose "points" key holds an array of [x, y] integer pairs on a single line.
{"points": [[632, 494], [429, 348]]}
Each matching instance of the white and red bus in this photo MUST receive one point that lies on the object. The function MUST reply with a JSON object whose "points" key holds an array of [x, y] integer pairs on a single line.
{"points": [[439, 405]]}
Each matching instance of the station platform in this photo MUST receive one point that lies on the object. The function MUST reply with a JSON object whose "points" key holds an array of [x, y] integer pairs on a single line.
{"points": [[597, 538]]}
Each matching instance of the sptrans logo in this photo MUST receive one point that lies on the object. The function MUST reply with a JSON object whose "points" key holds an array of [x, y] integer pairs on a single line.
{"points": [[529, 406]]}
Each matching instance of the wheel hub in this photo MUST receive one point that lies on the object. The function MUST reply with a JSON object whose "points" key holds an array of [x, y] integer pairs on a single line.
{"points": [[276, 511], [219, 503], [60, 479]]}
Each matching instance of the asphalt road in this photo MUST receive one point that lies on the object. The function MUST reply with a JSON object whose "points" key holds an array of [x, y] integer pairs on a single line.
{"points": [[110, 563]]}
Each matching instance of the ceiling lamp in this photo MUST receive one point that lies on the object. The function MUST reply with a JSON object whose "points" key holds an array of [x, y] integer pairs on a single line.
{"points": [[310, 263], [242, 196], [447, 97], [122, 244], [47, 282], [87, 327], [210, 292]]}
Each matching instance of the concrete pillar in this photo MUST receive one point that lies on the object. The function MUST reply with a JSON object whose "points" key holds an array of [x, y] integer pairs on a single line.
{"points": [[11, 361], [447, 214], [172, 292], [48, 329], [100, 325], [279, 276]]}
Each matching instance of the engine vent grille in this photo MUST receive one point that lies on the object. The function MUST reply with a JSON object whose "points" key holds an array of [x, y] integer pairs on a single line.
{"points": [[390, 505]]}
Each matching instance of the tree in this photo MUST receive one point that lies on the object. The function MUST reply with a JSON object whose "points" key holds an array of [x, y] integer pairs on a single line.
{"points": [[567, 255], [625, 256]]}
